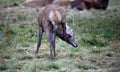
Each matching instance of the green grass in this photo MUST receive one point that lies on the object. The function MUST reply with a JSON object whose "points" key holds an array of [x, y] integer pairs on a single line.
{"points": [[83, 66], [11, 64], [9, 2], [98, 31]]}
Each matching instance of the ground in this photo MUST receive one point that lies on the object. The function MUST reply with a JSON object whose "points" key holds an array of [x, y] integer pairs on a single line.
{"points": [[96, 31]]}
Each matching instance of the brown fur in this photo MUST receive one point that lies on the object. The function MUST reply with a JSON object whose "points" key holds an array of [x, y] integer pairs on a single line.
{"points": [[78, 4], [92, 4], [43, 17], [63, 3], [37, 3]]}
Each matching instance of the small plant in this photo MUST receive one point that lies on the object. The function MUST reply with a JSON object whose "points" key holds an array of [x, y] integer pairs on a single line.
{"points": [[82, 66], [48, 66], [53, 66]]}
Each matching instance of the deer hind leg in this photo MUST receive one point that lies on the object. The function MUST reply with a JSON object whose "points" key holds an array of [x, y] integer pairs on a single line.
{"points": [[39, 38], [51, 38]]}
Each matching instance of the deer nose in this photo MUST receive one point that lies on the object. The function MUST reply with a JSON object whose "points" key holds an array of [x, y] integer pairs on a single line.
{"points": [[75, 45]]}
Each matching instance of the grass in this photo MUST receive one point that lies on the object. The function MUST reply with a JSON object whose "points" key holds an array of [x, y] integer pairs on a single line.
{"points": [[3, 3], [97, 34], [84, 66]]}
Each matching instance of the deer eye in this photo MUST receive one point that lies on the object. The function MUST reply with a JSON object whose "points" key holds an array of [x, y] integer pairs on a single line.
{"points": [[68, 36]]}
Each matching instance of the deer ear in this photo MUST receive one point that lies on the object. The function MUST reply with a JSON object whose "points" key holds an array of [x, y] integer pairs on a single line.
{"points": [[68, 35]]}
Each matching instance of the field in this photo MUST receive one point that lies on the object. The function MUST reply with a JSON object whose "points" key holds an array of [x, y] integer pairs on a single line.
{"points": [[96, 31]]}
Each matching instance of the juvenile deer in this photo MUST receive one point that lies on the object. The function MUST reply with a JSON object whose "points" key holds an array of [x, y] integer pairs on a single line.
{"points": [[52, 21]]}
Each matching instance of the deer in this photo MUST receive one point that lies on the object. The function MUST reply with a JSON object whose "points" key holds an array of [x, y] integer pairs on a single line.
{"points": [[52, 21], [84, 4], [36, 3], [88, 4]]}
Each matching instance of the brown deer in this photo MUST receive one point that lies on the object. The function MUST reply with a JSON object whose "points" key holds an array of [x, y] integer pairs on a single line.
{"points": [[37, 3], [84, 4], [52, 21], [88, 4]]}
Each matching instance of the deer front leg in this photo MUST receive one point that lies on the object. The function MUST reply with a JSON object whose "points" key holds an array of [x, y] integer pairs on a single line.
{"points": [[39, 38], [52, 45], [51, 38], [64, 30]]}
